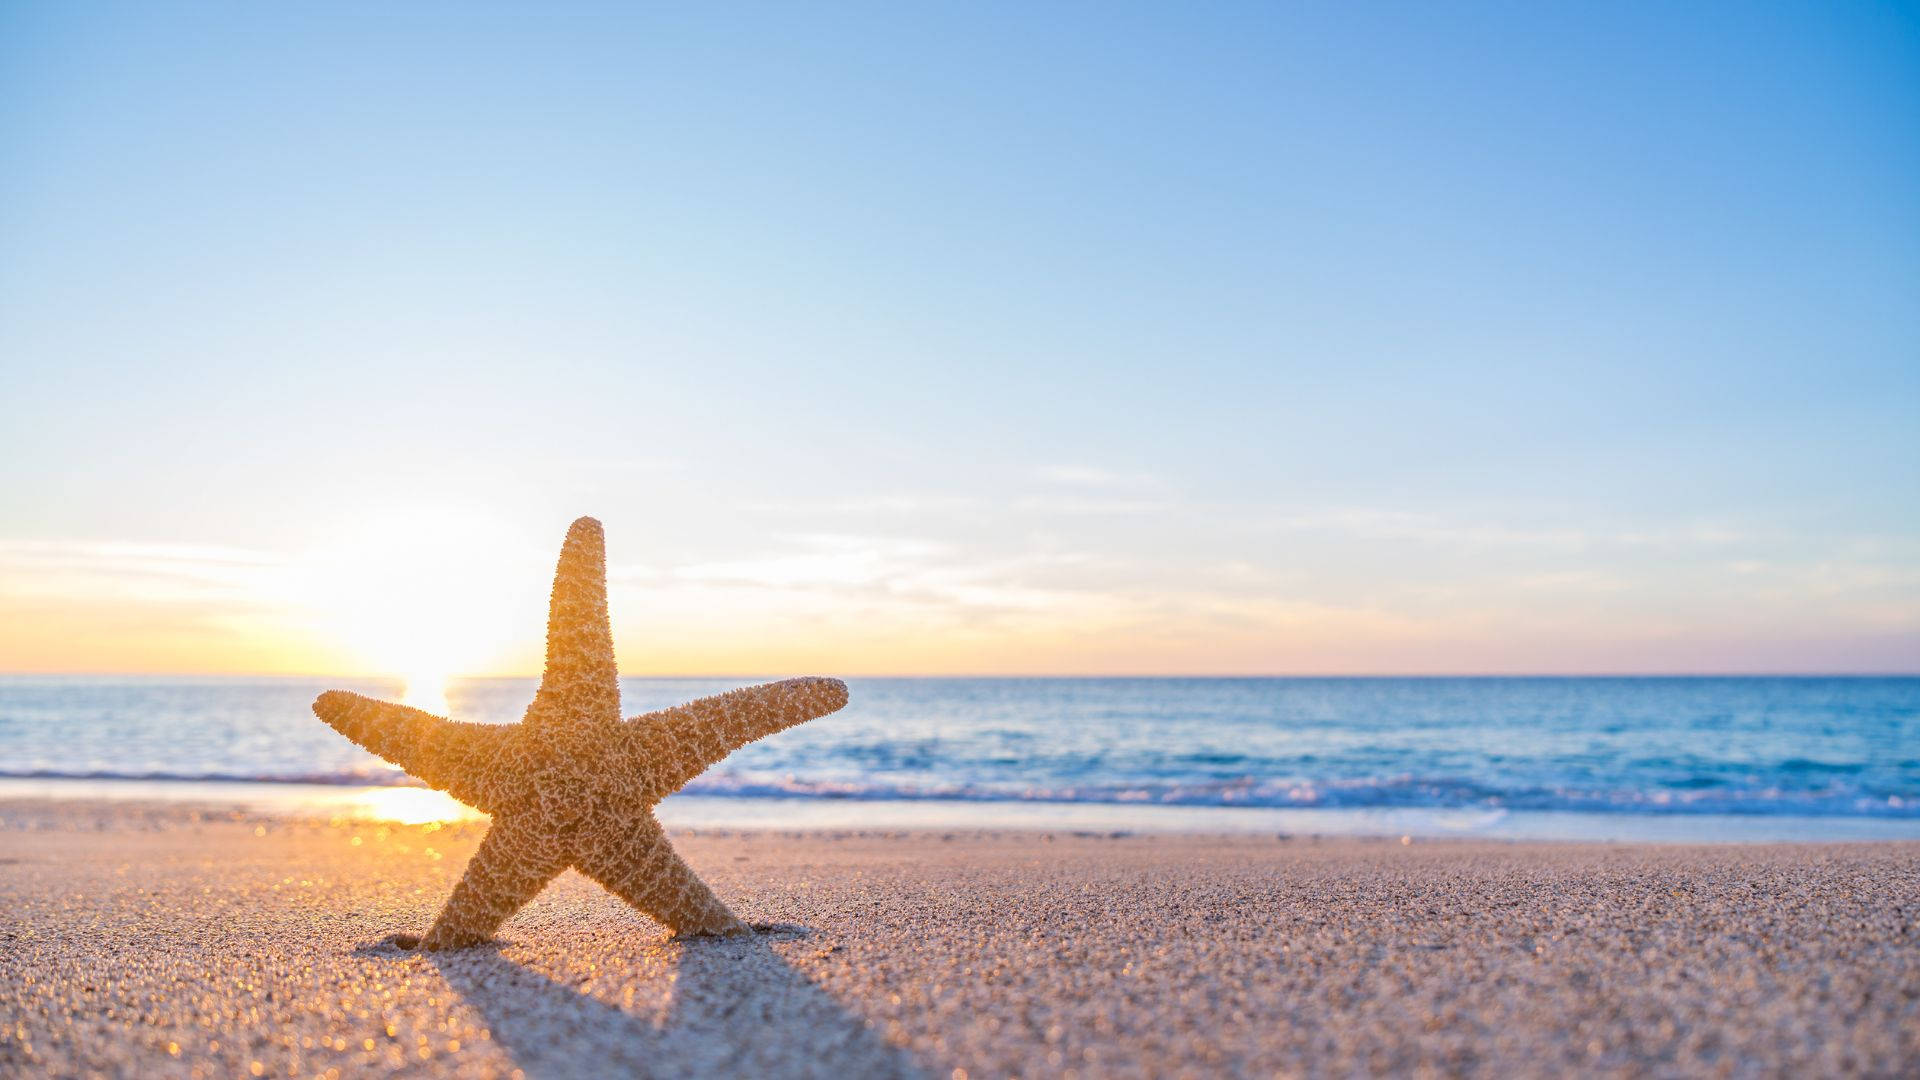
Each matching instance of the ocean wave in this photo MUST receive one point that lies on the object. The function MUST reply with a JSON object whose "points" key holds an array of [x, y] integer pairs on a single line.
{"points": [[1373, 793], [372, 776], [1395, 792]]}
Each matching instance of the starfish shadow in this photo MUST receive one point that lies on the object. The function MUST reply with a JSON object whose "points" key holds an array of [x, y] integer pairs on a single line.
{"points": [[734, 1007]]}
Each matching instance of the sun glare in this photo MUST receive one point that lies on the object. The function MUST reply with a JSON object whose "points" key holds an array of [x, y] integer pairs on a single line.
{"points": [[423, 594], [427, 691], [409, 806]]}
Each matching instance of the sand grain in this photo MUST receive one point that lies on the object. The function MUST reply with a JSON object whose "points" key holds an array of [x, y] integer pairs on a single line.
{"points": [[140, 942]]}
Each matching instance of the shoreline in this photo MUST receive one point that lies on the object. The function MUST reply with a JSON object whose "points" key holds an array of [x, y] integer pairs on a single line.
{"points": [[152, 940], [416, 805]]}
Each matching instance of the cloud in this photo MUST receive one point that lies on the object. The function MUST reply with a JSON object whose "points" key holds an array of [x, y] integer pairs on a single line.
{"points": [[640, 465], [1572, 581], [111, 606], [902, 503], [135, 571], [821, 561], [1087, 476], [1265, 591], [1085, 506], [1400, 525], [893, 580]]}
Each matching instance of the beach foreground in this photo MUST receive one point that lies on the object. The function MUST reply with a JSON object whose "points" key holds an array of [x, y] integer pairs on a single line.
{"points": [[158, 941]]}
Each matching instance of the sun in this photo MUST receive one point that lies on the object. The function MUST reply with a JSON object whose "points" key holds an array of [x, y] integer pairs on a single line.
{"points": [[427, 691], [425, 594]]}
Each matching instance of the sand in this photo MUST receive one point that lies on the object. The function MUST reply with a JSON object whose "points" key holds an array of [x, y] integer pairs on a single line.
{"points": [[145, 942]]}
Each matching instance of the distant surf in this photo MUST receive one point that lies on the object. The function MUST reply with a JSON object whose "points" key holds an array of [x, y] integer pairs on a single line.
{"points": [[1817, 747], [1393, 792]]}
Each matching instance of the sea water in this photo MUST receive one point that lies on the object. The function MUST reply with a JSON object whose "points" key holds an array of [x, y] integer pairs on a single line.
{"points": [[1647, 758]]}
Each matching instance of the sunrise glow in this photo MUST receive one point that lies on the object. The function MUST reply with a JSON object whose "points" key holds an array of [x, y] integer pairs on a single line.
{"points": [[405, 806], [1152, 365]]}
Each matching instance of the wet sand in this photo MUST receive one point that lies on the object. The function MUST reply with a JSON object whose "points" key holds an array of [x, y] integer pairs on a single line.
{"points": [[143, 941]]}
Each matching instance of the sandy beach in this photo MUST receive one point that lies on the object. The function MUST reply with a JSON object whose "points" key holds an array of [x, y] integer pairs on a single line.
{"points": [[156, 941]]}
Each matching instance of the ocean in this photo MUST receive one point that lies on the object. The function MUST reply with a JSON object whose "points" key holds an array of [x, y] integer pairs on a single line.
{"points": [[1631, 758]]}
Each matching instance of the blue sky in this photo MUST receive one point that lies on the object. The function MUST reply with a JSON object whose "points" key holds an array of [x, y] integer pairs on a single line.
{"points": [[1096, 338]]}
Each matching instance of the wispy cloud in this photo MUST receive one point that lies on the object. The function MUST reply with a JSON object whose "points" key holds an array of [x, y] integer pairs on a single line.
{"points": [[113, 606], [876, 505], [1406, 526], [1090, 506], [1265, 591], [639, 465], [148, 572], [822, 561], [1089, 476], [1399, 525], [912, 577]]}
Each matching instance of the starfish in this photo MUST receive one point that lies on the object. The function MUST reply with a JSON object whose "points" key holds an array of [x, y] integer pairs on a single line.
{"points": [[573, 784]]}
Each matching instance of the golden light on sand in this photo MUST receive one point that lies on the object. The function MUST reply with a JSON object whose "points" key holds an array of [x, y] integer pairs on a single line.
{"points": [[408, 806]]}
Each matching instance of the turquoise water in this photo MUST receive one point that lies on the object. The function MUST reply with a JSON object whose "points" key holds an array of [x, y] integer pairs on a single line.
{"points": [[1841, 750]]}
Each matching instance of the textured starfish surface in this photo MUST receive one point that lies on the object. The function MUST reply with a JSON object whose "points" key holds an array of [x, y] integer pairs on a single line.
{"points": [[573, 784]]}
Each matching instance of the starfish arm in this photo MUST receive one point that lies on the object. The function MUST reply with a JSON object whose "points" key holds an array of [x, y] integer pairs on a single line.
{"points": [[580, 683], [514, 861], [675, 745], [461, 759], [638, 865]]}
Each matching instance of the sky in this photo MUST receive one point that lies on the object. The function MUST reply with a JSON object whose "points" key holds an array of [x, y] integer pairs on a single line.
{"points": [[963, 339]]}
